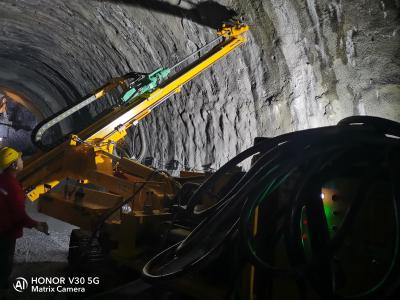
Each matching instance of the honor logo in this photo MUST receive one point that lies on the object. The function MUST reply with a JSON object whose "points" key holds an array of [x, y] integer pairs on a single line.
{"points": [[20, 284]]}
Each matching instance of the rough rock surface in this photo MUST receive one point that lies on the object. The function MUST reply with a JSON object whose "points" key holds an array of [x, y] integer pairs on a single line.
{"points": [[16, 125], [308, 63]]}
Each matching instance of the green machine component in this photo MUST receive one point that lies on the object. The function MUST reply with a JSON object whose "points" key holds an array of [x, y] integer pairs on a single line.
{"points": [[146, 84]]}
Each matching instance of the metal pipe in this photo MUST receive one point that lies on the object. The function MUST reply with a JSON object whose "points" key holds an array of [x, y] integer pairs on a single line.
{"points": [[191, 55]]}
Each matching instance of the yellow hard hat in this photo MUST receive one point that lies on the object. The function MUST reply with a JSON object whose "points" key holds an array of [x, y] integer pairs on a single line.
{"points": [[8, 156]]}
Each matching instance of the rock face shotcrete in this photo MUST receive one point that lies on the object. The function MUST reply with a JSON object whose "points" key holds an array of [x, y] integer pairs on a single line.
{"points": [[308, 63]]}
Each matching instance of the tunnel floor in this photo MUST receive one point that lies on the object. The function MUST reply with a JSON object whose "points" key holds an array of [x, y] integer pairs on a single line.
{"points": [[39, 255]]}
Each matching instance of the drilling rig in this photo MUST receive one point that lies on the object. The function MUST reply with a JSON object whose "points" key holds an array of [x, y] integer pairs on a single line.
{"points": [[315, 217]]}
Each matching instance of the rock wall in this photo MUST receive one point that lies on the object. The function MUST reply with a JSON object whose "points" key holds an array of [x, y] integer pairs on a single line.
{"points": [[308, 63]]}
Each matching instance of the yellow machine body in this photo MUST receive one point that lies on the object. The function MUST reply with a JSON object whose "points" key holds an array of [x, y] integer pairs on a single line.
{"points": [[94, 180]]}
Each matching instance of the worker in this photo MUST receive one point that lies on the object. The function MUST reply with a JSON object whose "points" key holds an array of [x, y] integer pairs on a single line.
{"points": [[13, 217]]}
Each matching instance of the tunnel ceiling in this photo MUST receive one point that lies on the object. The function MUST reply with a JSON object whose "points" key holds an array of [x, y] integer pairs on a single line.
{"points": [[308, 63]]}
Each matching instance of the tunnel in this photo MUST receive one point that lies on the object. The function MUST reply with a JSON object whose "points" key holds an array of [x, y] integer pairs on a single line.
{"points": [[306, 64]]}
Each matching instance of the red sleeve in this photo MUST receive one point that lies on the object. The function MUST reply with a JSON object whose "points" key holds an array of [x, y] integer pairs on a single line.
{"points": [[16, 197]]}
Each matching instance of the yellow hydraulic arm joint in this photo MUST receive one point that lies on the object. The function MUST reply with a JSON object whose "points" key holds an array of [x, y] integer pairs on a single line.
{"points": [[47, 169], [109, 127]]}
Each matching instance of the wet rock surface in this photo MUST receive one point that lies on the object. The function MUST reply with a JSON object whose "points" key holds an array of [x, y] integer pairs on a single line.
{"points": [[308, 63]]}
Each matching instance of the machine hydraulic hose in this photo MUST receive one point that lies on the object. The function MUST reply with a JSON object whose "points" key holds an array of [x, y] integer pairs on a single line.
{"points": [[143, 92], [308, 167], [138, 95]]}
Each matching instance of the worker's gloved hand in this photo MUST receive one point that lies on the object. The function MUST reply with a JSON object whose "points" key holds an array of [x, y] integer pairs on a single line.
{"points": [[42, 227]]}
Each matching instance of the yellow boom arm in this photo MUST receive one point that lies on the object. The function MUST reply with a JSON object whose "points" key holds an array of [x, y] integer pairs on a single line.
{"points": [[85, 155]]}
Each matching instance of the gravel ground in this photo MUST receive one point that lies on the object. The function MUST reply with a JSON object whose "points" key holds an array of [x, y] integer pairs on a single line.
{"points": [[38, 247], [41, 255]]}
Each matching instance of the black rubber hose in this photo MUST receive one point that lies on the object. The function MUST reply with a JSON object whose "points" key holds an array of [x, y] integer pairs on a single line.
{"points": [[354, 208], [283, 154], [220, 215], [263, 146]]}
